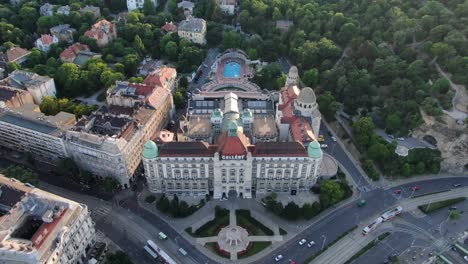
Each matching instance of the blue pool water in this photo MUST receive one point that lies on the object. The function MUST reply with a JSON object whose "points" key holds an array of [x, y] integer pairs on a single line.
{"points": [[232, 70]]}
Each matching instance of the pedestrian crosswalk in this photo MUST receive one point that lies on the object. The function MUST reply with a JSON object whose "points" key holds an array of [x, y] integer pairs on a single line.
{"points": [[101, 213]]}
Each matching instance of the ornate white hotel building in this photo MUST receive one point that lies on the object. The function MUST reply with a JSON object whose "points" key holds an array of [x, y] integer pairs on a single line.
{"points": [[239, 141]]}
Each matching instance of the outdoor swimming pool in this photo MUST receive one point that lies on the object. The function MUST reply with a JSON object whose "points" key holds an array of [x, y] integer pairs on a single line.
{"points": [[232, 69]]}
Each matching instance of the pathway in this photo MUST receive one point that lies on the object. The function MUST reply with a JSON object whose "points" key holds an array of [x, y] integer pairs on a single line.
{"points": [[234, 238], [459, 100]]}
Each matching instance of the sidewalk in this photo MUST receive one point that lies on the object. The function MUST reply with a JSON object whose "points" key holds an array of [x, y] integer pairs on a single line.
{"points": [[349, 245]]}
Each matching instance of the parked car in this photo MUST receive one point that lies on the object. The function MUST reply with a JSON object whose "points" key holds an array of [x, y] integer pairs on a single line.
{"points": [[333, 138], [397, 191], [457, 185], [391, 136], [401, 138], [324, 146], [302, 241], [361, 203], [279, 257], [465, 258], [452, 208], [321, 138], [311, 244], [415, 188]]}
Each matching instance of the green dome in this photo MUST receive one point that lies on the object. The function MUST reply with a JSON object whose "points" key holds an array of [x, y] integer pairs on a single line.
{"points": [[314, 151], [150, 150]]}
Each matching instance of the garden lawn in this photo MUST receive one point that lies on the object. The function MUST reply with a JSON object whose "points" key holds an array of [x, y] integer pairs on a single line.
{"points": [[212, 227], [253, 226], [428, 208], [255, 248]]}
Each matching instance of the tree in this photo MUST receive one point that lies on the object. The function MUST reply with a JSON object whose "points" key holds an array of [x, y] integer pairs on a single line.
{"points": [[163, 204], [12, 66], [110, 184], [21, 173], [330, 193], [171, 50], [328, 105], [67, 79], [137, 43], [49, 105], [309, 210], [363, 130], [311, 77], [369, 168], [179, 99], [231, 40], [118, 257], [406, 170], [291, 211], [392, 122], [378, 152], [149, 9], [131, 62]]}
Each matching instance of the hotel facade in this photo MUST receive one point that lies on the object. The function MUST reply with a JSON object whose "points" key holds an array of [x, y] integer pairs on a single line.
{"points": [[239, 142]]}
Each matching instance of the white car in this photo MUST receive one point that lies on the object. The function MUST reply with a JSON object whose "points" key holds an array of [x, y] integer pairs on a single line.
{"points": [[401, 138], [324, 146], [465, 258], [311, 244], [302, 242], [279, 257], [333, 138]]}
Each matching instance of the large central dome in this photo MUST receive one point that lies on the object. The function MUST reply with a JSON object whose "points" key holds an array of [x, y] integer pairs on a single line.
{"points": [[307, 96]]}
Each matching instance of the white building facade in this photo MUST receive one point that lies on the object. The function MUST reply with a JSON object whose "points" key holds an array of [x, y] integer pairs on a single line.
{"points": [[39, 86], [32, 132], [193, 29], [196, 168], [136, 4]]}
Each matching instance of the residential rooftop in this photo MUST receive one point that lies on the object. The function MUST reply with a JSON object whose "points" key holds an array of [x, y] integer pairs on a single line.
{"points": [[28, 116]]}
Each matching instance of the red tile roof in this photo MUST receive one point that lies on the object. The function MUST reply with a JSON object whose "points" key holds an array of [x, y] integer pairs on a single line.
{"points": [[46, 228], [73, 50], [47, 39], [301, 130], [163, 136], [96, 30], [279, 149], [169, 27], [185, 149], [231, 146], [158, 96], [160, 77], [14, 54]]}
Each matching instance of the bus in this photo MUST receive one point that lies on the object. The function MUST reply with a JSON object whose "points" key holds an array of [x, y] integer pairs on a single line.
{"points": [[462, 249], [392, 213], [372, 226], [164, 256], [150, 252], [162, 236], [444, 259]]}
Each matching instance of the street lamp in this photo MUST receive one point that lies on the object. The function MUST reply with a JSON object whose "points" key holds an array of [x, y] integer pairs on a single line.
{"points": [[323, 242]]}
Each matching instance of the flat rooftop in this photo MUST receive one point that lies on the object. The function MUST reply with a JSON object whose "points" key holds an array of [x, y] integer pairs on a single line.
{"points": [[30, 118], [199, 125], [264, 126]]}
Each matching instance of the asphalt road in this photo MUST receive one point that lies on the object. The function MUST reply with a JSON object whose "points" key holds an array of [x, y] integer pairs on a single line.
{"points": [[340, 221], [408, 142], [173, 234], [336, 150], [209, 60]]}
